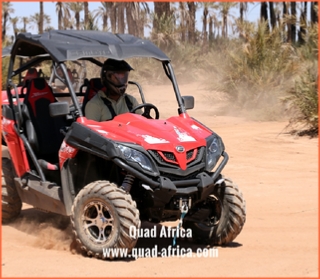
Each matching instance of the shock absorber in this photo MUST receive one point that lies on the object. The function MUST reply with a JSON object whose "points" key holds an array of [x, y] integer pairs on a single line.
{"points": [[127, 182]]}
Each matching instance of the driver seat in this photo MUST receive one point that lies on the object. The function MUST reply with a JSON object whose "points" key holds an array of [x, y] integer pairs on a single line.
{"points": [[42, 130]]}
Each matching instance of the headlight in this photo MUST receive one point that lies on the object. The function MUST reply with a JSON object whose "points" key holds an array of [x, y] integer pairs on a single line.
{"points": [[136, 156], [214, 150]]}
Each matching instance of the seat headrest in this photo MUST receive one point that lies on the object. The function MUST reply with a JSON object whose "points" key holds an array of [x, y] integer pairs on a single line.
{"points": [[38, 89], [31, 74], [95, 85]]}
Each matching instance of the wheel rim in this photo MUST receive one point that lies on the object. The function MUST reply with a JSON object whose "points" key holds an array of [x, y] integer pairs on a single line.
{"points": [[98, 222]]}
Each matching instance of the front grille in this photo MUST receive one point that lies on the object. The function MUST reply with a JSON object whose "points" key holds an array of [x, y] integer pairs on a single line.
{"points": [[167, 159], [170, 156], [190, 154], [175, 177]]}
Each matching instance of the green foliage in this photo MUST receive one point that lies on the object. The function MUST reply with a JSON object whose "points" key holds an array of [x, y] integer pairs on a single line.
{"points": [[302, 100], [165, 35], [5, 65], [257, 66], [263, 76]]}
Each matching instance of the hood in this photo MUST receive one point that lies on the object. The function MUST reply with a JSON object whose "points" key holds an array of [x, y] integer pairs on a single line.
{"points": [[178, 134]]}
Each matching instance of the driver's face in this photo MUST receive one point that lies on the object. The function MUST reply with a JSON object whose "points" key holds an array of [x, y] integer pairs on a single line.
{"points": [[118, 78]]}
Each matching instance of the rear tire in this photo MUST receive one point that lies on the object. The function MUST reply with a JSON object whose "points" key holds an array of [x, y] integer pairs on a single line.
{"points": [[11, 202], [225, 212], [102, 217]]}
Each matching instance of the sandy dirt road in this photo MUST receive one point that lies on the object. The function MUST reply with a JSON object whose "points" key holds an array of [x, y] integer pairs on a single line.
{"points": [[278, 175]]}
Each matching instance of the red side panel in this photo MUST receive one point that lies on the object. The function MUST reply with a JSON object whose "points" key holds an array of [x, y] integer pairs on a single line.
{"points": [[4, 96], [16, 147], [66, 152]]}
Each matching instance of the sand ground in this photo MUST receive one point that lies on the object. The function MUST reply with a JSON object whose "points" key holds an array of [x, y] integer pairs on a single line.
{"points": [[277, 173]]}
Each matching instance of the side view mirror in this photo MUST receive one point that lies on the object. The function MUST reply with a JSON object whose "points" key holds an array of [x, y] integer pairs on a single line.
{"points": [[59, 109], [188, 102]]}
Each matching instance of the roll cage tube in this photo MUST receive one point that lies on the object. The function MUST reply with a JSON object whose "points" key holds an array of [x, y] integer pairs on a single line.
{"points": [[170, 74], [29, 64], [71, 90], [10, 85], [140, 90]]}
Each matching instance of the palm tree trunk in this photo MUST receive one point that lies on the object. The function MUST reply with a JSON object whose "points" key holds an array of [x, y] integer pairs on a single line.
{"points": [[272, 15], [210, 30], [303, 23], [121, 17], [4, 25], [241, 11], [314, 14], [204, 26], [192, 22], [132, 28], [182, 21], [86, 13], [60, 16], [293, 26], [285, 14], [113, 18], [105, 22], [161, 9], [41, 18], [77, 17], [264, 14]]}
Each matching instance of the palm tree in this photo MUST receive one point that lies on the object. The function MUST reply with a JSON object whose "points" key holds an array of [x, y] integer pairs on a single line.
{"points": [[161, 10], [107, 10], [25, 20], [206, 6], [303, 23], [224, 10], [136, 17], [314, 13], [91, 23], [36, 19], [192, 22], [183, 15], [6, 11], [293, 25], [120, 17], [86, 13], [41, 19], [63, 15], [14, 21], [243, 7], [264, 13], [104, 12], [273, 19], [76, 7]]}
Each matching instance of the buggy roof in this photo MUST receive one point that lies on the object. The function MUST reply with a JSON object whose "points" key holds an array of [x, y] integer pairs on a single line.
{"points": [[63, 45]]}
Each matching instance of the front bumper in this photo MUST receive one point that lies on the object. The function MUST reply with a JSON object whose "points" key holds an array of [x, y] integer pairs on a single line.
{"points": [[163, 190]]}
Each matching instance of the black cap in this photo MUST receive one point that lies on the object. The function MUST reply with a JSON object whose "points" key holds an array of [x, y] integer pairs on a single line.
{"points": [[116, 65]]}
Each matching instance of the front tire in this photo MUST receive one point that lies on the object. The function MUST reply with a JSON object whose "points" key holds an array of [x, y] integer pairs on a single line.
{"points": [[224, 215], [11, 202], [102, 217]]}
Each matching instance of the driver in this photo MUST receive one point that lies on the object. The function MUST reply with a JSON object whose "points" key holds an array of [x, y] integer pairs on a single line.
{"points": [[112, 99]]}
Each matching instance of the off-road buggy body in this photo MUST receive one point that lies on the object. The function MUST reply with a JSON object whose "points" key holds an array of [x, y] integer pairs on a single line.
{"points": [[108, 176]]}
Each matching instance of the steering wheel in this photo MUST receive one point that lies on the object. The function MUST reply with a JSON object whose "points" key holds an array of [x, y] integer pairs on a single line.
{"points": [[147, 108]]}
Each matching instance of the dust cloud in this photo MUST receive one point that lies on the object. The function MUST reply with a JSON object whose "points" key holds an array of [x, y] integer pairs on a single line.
{"points": [[47, 230]]}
